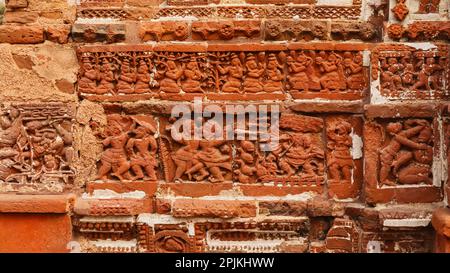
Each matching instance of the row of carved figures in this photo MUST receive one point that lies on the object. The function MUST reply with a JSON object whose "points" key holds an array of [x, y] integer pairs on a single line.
{"points": [[222, 72]]}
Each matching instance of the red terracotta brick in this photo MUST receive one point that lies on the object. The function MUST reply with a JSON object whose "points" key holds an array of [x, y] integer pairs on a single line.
{"points": [[58, 33], [14, 4], [418, 110], [282, 208], [441, 221], [35, 232], [106, 207], [261, 190], [21, 34], [35, 203], [213, 208], [20, 17], [319, 206], [327, 107], [148, 187], [196, 189]]}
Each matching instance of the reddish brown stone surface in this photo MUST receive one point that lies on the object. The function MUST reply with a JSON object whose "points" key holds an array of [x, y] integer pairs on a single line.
{"points": [[357, 92], [48, 233]]}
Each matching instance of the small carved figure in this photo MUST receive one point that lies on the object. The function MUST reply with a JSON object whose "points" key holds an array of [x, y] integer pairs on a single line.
{"points": [[114, 158], [193, 77], [127, 78], [235, 73], [246, 161], [340, 162], [300, 71], [300, 154], [427, 76], [414, 167], [274, 81], [170, 77], [255, 71], [88, 81], [331, 67], [354, 71], [143, 78], [408, 76], [106, 76], [390, 77], [210, 161], [141, 148]]}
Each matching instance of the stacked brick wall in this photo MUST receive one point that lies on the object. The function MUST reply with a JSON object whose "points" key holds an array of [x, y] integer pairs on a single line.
{"points": [[88, 161]]}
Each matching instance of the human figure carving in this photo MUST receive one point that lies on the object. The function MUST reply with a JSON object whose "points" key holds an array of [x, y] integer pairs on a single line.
{"points": [[141, 148], [390, 76], [340, 162], [246, 161], [170, 77], [143, 78], [414, 167], [301, 155], [354, 70], [235, 73], [106, 76], [427, 77], [301, 74], [127, 78], [114, 158], [88, 81], [255, 71], [331, 67], [274, 75], [193, 77], [389, 155]]}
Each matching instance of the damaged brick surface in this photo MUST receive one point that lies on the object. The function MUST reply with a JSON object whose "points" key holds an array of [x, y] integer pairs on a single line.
{"points": [[357, 91]]}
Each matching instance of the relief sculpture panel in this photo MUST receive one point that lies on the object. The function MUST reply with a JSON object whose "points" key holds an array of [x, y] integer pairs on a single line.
{"points": [[408, 73], [36, 150], [127, 74], [129, 149]]}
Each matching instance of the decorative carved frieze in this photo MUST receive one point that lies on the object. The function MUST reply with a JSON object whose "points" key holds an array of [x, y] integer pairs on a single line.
{"points": [[132, 73]]}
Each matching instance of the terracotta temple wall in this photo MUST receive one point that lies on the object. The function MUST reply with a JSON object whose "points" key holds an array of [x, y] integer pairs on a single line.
{"points": [[88, 163]]}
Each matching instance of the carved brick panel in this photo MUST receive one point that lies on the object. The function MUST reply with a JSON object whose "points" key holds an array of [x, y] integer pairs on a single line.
{"points": [[402, 159], [403, 72], [262, 72], [36, 151]]}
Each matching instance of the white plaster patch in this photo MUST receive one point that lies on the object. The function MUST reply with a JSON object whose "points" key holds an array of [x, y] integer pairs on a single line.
{"points": [[406, 222], [109, 194], [422, 46], [357, 146], [374, 247], [335, 2], [119, 243], [375, 94], [152, 218], [110, 219], [366, 58], [96, 20]]}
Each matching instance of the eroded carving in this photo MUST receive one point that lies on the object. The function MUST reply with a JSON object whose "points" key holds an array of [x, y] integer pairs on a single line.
{"points": [[36, 146], [409, 73]]}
